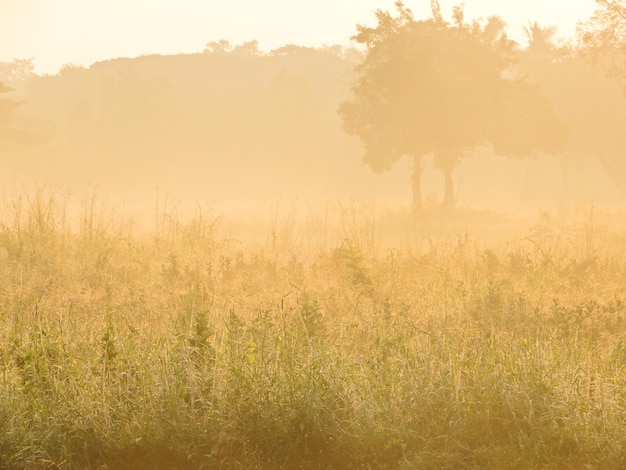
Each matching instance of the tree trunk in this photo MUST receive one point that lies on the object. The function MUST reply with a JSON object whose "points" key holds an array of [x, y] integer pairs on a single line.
{"points": [[417, 183], [448, 199]]}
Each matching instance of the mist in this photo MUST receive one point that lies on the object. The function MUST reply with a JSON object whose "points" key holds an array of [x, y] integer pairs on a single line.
{"points": [[403, 252], [236, 127]]}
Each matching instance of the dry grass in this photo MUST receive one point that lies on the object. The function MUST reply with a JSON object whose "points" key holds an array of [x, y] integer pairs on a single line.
{"points": [[184, 348]]}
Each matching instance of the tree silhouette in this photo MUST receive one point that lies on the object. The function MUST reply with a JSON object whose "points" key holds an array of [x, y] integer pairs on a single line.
{"points": [[431, 87], [540, 39], [588, 103], [19, 131], [604, 37], [18, 70], [220, 47], [9, 136], [603, 41]]}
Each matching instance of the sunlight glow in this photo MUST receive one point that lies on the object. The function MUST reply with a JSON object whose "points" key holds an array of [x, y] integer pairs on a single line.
{"points": [[85, 31]]}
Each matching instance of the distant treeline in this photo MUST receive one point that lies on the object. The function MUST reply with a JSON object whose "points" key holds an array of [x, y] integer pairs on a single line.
{"points": [[194, 116], [235, 117]]}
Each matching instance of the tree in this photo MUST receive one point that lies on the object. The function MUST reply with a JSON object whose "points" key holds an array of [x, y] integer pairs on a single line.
{"points": [[431, 87], [603, 43], [9, 136], [250, 48], [220, 47], [19, 132], [18, 70], [604, 37], [588, 102]]}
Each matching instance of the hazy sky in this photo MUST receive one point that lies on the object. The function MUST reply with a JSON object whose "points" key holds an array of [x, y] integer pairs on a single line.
{"points": [[58, 32]]}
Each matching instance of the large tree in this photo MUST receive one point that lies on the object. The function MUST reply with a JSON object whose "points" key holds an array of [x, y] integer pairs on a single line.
{"points": [[603, 42], [604, 37], [434, 87], [587, 101]]}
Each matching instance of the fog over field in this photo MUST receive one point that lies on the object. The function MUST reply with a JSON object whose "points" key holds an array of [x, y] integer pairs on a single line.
{"points": [[238, 127], [404, 250]]}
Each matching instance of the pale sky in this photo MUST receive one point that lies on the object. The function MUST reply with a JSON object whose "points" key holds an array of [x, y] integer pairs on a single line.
{"points": [[80, 32]]}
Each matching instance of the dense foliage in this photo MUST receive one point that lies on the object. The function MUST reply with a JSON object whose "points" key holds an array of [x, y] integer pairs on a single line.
{"points": [[440, 88]]}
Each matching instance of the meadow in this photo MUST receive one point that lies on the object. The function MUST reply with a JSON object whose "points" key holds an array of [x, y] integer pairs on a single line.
{"points": [[351, 338]]}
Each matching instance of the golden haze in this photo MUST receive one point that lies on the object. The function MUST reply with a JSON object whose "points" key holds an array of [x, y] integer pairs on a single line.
{"points": [[406, 254]]}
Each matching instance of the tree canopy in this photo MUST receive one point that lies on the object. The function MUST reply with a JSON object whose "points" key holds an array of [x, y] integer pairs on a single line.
{"points": [[604, 37], [440, 88]]}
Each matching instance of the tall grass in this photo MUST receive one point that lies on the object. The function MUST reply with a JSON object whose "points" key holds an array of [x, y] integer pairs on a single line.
{"points": [[184, 348]]}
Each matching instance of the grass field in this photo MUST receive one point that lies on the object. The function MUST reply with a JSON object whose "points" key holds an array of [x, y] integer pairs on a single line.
{"points": [[318, 346]]}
